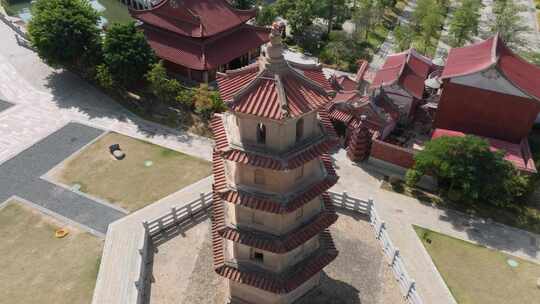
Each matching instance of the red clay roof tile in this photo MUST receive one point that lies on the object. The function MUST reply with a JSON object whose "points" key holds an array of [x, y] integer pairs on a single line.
{"points": [[194, 18]]}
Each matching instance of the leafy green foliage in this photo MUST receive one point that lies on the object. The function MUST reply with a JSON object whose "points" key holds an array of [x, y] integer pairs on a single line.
{"points": [[427, 20], [468, 171], [103, 77], [127, 54], [299, 13], [64, 31], [369, 14], [404, 36], [464, 23], [509, 23], [207, 101], [267, 15], [164, 88], [243, 4]]}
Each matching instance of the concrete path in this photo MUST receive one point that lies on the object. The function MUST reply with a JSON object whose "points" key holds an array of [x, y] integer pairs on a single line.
{"points": [[401, 212], [21, 176], [387, 47], [46, 99], [121, 261]]}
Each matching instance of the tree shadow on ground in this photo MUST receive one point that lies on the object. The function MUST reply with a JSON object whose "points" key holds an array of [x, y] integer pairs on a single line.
{"points": [[482, 223], [71, 92]]}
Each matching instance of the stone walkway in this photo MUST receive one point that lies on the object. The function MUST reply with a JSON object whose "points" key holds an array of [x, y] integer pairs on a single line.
{"points": [[21, 176], [387, 47], [43, 102], [401, 212], [46, 99]]}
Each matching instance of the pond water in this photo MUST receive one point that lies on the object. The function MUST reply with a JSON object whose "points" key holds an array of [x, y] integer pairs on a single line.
{"points": [[110, 10]]}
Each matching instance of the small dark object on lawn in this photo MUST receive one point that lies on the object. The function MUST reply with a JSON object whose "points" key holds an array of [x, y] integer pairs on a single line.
{"points": [[428, 241], [117, 152]]}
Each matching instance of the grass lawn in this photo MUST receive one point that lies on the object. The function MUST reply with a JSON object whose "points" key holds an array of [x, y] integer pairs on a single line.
{"points": [[475, 274], [38, 268], [147, 173]]}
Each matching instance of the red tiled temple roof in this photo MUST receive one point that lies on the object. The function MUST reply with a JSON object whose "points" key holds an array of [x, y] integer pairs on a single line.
{"points": [[292, 161], [285, 243], [408, 69], [265, 204], [263, 100], [275, 88], [494, 53], [205, 54], [313, 72], [194, 18], [344, 83], [349, 108], [362, 69], [518, 154], [268, 281]]}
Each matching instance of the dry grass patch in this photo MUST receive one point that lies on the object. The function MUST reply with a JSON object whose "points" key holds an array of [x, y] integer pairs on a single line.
{"points": [[476, 274], [147, 173], [38, 268]]}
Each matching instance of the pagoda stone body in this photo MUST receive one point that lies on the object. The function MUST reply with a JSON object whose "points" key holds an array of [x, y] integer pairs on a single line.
{"points": [[271, 173]]}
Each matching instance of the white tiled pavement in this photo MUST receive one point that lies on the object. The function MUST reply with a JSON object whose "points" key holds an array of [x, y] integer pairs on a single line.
{"points": [[46, 99]]}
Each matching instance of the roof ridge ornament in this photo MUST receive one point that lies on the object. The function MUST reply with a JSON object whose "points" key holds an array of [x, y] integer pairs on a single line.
{"points": [[282, 97]]}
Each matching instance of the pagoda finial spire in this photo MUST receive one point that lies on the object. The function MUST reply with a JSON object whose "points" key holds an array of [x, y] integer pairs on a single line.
{"points": [[273, 58]]}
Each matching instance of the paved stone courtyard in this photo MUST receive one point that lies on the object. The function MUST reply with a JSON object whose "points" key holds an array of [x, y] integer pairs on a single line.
{"points": [[182, 269], [21, 176]]}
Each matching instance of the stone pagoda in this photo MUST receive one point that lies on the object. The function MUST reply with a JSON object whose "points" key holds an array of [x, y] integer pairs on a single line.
{"points": [[271, 212]]}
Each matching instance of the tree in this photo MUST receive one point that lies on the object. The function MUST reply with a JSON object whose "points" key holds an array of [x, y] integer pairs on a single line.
{"points": [[299, 13], [207, 101], [430, 24], [508, 22], [243, 4], [127, 54], [267, 15], [64, 32], [166, 90], [103, 77], [465, 22], [362, 19], [328, 10], [468, 171], [404, 36], [368, 14]]}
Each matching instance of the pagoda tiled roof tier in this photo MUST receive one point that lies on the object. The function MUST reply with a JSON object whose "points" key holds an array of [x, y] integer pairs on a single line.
{"points": [[282, 244], [265, 280], [205, 54], [194, 18], [275, 88], [289, 161], [266, 204], [234, 80]]}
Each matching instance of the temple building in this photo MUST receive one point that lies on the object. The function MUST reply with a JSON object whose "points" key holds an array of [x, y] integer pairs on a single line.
{"points": [[489, 91], [401, 79], [197, 38], [271, 211], [348, 110]]}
